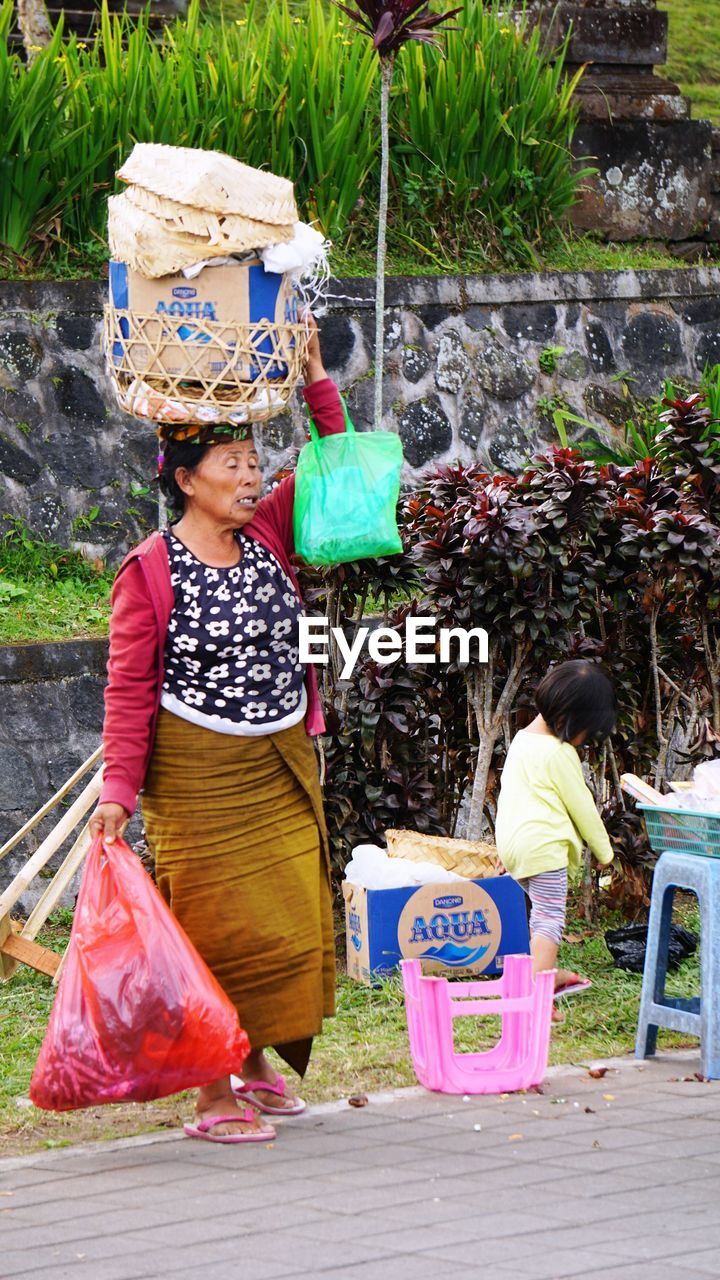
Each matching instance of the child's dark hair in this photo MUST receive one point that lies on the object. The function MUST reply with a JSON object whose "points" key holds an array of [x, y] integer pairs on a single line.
{"points": [[577, 697]]}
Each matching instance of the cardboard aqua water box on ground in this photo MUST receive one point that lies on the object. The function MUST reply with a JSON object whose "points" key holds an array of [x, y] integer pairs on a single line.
{"points": [[243, 294], [455, 929]]}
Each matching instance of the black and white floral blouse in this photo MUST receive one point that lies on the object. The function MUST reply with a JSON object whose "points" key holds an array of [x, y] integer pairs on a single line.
{"points": [[232, 649]]}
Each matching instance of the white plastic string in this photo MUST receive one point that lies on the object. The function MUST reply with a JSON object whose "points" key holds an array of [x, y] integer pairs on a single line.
{"points": [[312, 285], [305, 261]]}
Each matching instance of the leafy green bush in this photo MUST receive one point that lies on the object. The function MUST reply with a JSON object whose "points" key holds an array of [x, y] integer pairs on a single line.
{"points": [[483, 133], [396, 751], [40, 174], [28, 555], [479, 142], [645, 428]]}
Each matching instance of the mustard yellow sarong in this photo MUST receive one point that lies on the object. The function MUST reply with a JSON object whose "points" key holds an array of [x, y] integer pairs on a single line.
{"points": [[237, 830]]}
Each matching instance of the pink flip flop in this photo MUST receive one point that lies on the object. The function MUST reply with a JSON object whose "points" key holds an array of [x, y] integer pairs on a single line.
{"points": [[573, 988], [247, 1091], [203, 1129]]}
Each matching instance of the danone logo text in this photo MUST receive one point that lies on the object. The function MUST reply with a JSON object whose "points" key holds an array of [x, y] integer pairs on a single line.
{"points": [[354, 921]]}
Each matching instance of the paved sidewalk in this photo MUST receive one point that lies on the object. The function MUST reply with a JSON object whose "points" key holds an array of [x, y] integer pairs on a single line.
{"points": [[605, 1179]]}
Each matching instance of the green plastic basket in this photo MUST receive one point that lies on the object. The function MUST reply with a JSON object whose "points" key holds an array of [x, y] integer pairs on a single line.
{"points": [[683, 831]]}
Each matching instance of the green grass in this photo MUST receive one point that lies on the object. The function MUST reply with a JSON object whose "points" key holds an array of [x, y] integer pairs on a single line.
{"points": [[694, 54], [363, 1049], [48, 592], [587, 253], [35, 612], [568, 253]]}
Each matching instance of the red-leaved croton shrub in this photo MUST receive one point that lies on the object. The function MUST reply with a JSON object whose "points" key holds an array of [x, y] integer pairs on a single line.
{"points": [[571, 558]]}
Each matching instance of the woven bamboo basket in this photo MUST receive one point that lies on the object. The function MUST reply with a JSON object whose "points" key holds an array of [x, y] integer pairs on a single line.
{"points": [[229, 373], [155, 245], [212, 181], [472, 858]]}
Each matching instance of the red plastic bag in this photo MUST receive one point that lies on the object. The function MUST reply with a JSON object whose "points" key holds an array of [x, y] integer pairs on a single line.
{"points": [[138, 1014]]}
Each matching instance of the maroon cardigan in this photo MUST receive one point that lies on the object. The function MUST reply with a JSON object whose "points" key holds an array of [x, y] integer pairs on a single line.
{"points": [[142, 601]]}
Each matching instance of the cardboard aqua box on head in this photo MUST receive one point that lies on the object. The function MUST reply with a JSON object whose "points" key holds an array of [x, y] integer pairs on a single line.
{"points": [[190, 311], [462, 928]]}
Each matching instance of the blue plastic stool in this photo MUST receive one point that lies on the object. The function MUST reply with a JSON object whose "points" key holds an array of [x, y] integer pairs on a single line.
{"points": [[698, 1015]]}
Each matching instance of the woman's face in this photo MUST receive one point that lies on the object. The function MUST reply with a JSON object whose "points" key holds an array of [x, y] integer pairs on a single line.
{"points": [[225, 486]]}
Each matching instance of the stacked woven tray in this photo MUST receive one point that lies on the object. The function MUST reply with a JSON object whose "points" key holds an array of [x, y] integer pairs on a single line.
{"points": [[197, 331], [471, 858]]}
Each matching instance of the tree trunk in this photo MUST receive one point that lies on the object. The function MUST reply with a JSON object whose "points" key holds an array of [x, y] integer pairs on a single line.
{"points": [[387, 65], [587, 900], [619, 796], [331, 669], [655, 677], [490, 721], [488, 738], [34, 24], [712, 661]]}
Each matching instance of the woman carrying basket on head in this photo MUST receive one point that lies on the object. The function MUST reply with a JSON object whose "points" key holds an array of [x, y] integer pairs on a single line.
{"points": [[209, 712]]}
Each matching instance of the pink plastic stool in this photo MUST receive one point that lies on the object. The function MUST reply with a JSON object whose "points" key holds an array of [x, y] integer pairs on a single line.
{"points": [[517, 1061]]}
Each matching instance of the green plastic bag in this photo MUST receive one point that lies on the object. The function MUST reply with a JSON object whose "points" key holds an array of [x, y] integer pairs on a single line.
{"points": [[346, 492]]}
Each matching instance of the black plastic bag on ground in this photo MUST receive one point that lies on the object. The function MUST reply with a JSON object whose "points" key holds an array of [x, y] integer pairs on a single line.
{"points": [[627, 946]]}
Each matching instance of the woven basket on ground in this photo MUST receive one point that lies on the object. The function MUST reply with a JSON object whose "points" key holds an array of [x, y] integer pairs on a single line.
{"points": [[230, 373], [472, 858], [210, 180]]}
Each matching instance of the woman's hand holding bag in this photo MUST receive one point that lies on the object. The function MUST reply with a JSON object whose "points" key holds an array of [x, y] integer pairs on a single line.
{"points": [[138, 1015], [346, 491]]}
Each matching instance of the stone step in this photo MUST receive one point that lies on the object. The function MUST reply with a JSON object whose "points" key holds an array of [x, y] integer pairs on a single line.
{"points": [[653, 180], [633, 33], [630, 95]]}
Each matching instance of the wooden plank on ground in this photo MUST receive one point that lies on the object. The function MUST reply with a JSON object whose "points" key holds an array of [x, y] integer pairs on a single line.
{"points": [[16, 948], [57, 885], [51, 843], [59, 795]]}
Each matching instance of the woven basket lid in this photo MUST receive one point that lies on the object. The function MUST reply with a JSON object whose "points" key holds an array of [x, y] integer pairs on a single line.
{"points": [[149, 246], [210, 180], [231, 233], [471, 858]]}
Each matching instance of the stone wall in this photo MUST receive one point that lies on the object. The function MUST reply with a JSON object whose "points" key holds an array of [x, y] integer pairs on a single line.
{"points": [[52, 707], [469, 374]]}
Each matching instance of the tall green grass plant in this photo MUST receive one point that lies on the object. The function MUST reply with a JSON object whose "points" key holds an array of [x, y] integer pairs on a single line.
{"points": [[483, 133], [39, 176]]}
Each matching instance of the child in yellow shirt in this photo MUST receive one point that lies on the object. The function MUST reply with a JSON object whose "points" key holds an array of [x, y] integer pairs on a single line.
{"points": [[546, 812]]}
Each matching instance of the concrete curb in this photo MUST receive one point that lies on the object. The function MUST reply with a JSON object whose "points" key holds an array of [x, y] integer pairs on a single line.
{"points": [[385, 1098]]}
